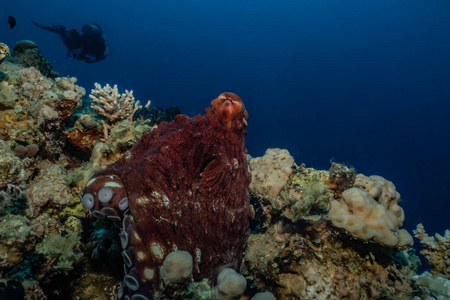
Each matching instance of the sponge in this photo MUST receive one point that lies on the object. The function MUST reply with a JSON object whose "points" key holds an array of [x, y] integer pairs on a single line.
{"points": [[230, 285], [177, 267], [264, 296]]}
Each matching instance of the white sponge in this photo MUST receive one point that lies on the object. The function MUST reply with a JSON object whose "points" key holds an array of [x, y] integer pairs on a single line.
{"points": [[230, 285], [264, 296], [177, 267]]}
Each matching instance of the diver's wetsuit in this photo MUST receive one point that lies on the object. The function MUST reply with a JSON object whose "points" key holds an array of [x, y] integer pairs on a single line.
{"points": [[88, 47]]}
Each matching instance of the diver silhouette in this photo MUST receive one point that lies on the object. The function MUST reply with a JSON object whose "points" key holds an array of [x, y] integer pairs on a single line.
{"points": [[89, 46]]}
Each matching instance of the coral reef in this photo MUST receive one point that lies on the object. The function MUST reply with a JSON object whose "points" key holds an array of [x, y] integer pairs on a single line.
{"points": [[11, 167], [315, 263], [34, 109], [298, 237], [33, 112], [179, 196], [161, 213]]}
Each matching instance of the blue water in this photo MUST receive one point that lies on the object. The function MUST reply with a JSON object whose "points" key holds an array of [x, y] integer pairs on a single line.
{"points": [[363, 82]]}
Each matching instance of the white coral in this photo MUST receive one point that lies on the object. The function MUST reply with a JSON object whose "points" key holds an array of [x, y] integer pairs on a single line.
{"points": [[115, 107], [361, 215]]}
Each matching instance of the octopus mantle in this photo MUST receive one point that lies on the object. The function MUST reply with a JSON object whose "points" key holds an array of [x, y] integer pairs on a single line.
{"points": [[183, 186]]}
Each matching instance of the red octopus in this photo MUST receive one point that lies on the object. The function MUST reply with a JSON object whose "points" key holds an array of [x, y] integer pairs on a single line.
{"points": [[183, 186]]}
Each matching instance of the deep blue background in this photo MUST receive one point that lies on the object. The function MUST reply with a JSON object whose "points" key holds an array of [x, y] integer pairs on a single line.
{"points": [[363, 82]]}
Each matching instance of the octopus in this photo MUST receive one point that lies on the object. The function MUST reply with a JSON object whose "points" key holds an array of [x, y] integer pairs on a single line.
{"points": [[183, 186]]}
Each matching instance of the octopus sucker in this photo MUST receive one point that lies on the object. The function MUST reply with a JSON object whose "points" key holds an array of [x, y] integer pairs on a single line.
{"points": [[185, 184]]}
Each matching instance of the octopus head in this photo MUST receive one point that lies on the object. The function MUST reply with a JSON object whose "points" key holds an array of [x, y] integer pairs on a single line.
{"points": [[230, 111]]}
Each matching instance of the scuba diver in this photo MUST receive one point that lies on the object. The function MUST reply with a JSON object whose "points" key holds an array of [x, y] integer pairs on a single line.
{"points": [[90, 45]]}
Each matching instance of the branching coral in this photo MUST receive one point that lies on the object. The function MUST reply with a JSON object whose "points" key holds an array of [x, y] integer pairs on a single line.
{"points": [[112, 105], [436, 250]]}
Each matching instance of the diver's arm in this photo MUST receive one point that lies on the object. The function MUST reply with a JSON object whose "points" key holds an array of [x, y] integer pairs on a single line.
{"points": [[60, 29], [41, 26]]}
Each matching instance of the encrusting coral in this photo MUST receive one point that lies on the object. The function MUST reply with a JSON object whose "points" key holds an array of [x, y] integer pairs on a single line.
{"points": [[11, 167], [306, 195], [17, 236], [48, 186], [271, 172], [283, 187]]}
